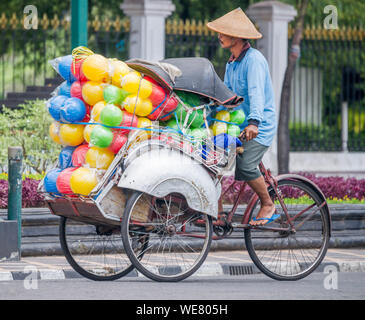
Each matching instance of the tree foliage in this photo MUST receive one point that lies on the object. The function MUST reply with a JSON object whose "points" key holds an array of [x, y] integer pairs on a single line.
{"points": [[28, 127]]}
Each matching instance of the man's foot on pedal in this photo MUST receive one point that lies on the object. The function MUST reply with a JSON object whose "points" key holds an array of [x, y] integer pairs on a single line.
{"points": [[265, 216]]}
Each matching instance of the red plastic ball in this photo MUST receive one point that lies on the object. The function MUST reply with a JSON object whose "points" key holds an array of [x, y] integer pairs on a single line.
{"points": [[78, 156], [63, 180]]}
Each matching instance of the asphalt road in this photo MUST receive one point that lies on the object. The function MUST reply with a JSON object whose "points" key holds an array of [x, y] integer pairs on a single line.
{"points": [[316, 286]]}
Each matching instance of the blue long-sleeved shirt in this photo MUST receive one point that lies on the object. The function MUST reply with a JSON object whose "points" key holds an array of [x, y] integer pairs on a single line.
{"points": [[250, 78]]}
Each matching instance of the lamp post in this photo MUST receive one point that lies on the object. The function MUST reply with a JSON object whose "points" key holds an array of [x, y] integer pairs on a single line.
{"points": [[79, 18]]}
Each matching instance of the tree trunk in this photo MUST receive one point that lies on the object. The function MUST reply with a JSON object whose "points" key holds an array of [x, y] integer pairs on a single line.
{"points": [[284, 116]]}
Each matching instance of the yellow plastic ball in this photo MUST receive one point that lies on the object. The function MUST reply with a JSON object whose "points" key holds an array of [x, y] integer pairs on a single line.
{"points": [[218, 128], [223, 115], [95, 67], [96, 110], [145, 123], [99, 158], [92, 92], [72, 134], [54, 130], [119, 70], [145, 89], [87, 132], [142, 107], [83, 181], [130, 82]]}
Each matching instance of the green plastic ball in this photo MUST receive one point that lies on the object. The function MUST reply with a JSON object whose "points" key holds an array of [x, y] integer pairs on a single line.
{"points": [[233, 130], [111, 115], [114, 95], [238, 116], [101, 137]]}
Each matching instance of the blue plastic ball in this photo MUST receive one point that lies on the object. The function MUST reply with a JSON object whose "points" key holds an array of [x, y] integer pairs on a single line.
{"points": [[55, 105], [73, 110], [50, 180], [64, 68], [65, 157], [65, 89]]}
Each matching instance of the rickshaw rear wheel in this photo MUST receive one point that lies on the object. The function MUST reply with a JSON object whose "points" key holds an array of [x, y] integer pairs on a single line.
{"points": [[94, 252], [179, 238]]}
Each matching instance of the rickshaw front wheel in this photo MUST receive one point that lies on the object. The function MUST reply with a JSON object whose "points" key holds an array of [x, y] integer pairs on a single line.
{"points": [[179, 238]]}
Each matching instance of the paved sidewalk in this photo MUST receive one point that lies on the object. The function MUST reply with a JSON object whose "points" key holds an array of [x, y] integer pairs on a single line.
{"points": [[218, 263]]}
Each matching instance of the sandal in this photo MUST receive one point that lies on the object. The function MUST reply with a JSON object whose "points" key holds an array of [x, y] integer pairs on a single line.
{"points": [[269, 220]]}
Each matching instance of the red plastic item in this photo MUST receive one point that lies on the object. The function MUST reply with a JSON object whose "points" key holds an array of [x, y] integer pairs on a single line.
{"points": [[118, 142], [127, 122], [77, 71], [78, 156], [63, 180]]}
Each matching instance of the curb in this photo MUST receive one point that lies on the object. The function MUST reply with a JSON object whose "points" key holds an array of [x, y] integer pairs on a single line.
{"points": [[206, 270]]}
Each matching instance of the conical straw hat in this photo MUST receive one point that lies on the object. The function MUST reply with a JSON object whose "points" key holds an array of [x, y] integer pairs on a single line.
{"points": [[235, 24]]}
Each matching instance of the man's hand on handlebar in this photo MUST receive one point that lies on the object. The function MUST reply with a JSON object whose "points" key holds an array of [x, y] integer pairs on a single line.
{"points": [[249, 133]]}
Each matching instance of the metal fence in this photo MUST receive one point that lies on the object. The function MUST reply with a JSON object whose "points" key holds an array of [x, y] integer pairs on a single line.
{"points": [[328, 92], [328, 89], [24, 54]]}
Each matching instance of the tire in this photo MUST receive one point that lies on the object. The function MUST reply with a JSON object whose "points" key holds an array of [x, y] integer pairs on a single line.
{"points": [[79, 237], [164, 232], [310, 240]]}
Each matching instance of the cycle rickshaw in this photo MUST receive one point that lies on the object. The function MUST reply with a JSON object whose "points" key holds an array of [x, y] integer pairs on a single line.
{"points": [[156, 207]]}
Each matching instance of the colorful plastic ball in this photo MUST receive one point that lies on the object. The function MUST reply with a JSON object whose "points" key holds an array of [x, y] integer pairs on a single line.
{"points": [[219, 128], [54, 132], [71, 134], [158, 95], [65, 89], [99, 158], [119, 70], [92, 92], [96, 110], [76, 90], [141, 107], [131, 82], [118, 142], [170, 105], [87, 132], [156, 114], [63, 180], [76, 69], [223, 115], [129, 120], [144, 122], [145, 89], [78, 156], [237, 116], [153, 81], [111, 115], [101, 137], [73, 110], [196, 119], [95, 67], [199, 133], [65, 157], [50, 180], [55, 105], [167, 116], [173, 124], [114, 95], [233, 130], [83, 181], [64, 68]]}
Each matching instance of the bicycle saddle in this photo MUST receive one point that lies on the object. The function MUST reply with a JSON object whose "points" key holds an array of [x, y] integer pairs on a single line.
{"points": [[197, 75]]}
